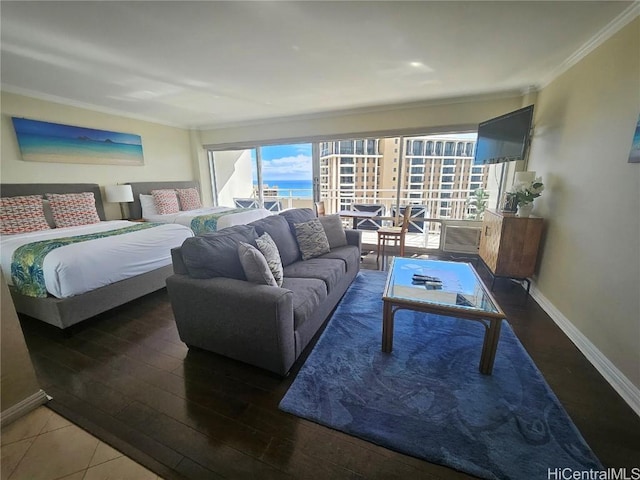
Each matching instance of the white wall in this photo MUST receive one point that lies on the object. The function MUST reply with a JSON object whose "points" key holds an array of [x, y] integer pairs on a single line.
{"points": [[233, 176], [590, 265], [168, 154]]}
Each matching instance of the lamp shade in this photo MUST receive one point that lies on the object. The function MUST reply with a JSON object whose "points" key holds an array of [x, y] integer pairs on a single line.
{"points": [[118, 193], [524, 177]]}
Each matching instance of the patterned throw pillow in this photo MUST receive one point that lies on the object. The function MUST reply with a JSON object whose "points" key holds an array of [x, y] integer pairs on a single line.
{"points": [[73, 209], [255, 266], [269, 249], [166, 201], [311, 238], [189, 198], [22, 215]]}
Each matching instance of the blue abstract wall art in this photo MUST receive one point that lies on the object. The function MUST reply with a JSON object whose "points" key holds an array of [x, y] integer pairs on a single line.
{"points": [[54, 142], [634, 155]]}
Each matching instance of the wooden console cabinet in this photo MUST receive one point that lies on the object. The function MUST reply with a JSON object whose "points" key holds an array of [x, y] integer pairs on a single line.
{"points": [[509, 244]]}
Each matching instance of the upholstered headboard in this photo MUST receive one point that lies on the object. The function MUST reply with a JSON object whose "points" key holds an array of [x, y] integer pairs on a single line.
{"points": [[135, 209], [17, 189]]}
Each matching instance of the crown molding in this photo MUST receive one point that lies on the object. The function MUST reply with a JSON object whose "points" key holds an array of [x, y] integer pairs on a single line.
{"points": [[629, 14]]}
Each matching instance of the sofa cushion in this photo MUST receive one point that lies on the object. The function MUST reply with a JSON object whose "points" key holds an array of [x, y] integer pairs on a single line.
{"points": [[216, 254], [312, 241], [269, 249], [349, 254], [329, 270], [308, 293], [297, 215], [278, 229], [255, 266], [334, 230]]}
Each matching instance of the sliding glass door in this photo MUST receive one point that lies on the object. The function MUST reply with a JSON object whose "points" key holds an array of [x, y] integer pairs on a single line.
{"points": [[274, 177]]}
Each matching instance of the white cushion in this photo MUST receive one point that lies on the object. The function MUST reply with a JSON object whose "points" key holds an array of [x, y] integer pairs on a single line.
{"points": [[148, 206]]}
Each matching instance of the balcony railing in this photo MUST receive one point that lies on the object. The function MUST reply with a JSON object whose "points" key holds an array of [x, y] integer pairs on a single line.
{"points": [[435, 205]]}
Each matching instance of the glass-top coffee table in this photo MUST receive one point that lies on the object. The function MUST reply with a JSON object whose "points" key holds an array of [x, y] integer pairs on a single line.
{"points": [[446, 288]]}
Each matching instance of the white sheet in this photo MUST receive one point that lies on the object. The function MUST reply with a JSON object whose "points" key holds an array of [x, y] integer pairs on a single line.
{"points": [[85, 266], [238, 218]]}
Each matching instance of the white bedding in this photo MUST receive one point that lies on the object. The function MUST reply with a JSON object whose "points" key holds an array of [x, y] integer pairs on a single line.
{"points": [[84, 266], [236, 218]]}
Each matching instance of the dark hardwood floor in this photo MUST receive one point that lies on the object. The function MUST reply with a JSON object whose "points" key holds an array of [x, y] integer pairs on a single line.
{"points": [[126, 377]]}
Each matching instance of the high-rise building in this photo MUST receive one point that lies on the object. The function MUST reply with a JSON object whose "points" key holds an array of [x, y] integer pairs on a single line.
{"points": [[433, 172]]}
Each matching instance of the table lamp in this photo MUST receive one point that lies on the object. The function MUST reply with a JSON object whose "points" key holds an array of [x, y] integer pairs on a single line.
{"points": [[119, 194]]}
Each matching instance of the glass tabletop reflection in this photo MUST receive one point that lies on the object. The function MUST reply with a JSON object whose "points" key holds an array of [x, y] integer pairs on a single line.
{"points": [[438, 282]]}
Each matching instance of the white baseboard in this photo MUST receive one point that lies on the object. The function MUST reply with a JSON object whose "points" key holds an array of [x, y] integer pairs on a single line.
{"points": [[621, 384], [23, 407]]}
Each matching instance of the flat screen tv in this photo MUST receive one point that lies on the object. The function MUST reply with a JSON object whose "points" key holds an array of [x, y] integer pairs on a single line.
{"points": [[504, 138]]}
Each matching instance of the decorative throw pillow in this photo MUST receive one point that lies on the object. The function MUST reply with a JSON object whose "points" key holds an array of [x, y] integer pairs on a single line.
{"points": [[166, 201], [312, 240], [147, 205], [334, 230], [22, 214], [73, 209], [269, 249], [255, 265], [189, 198]]}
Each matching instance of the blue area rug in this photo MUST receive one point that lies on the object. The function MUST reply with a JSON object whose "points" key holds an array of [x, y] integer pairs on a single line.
{"points": [[428, 399]]}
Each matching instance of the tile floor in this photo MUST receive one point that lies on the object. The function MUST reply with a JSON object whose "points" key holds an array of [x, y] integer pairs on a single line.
{"points": [[42, 445]]}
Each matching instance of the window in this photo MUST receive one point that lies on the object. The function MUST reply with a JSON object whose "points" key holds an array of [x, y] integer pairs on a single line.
{"points": [[449, 170], [429, 148], [346, 147], [447, 178], [449, 148]]}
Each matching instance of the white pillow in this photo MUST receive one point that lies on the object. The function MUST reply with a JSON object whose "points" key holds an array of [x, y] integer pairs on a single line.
{"points": [[148, 206]]}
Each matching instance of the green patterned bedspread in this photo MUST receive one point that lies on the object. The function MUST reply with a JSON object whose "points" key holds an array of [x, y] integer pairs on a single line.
{"points": [[26, 263], [209, 222]]}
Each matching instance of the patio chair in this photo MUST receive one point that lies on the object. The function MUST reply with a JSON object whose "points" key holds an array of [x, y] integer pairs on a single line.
{"points": [[245, 202], [417, 212], [369, 223], [273, 205], [396, 233]]}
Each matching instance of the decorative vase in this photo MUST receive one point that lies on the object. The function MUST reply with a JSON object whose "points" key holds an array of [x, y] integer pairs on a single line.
{"points": [[524, 209]]}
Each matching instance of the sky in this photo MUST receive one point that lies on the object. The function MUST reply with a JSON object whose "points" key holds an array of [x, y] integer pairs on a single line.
{"points": [[285, 162]]}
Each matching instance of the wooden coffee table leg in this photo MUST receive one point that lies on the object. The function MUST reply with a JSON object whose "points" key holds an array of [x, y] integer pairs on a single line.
{"points": [[387, 328], [490, 345]]}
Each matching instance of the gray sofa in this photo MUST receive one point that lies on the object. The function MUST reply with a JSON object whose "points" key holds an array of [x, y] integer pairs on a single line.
{"points": [[218, 310]]}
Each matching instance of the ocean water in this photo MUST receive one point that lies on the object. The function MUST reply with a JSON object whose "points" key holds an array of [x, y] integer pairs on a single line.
{"points": [[291, 188], [76, 147]]}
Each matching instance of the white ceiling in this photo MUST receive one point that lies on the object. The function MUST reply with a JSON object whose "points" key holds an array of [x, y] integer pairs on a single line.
{"points": [[215, 64]]}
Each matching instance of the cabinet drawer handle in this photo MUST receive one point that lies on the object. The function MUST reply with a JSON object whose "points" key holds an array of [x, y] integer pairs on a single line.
{"points": [[486, 231]]}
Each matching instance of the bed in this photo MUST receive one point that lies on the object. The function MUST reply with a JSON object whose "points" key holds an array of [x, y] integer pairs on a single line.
{"points": [[200, 220], [120, 261]]}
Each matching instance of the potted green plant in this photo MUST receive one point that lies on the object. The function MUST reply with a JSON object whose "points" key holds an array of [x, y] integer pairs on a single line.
{"points": [[525, 193]]}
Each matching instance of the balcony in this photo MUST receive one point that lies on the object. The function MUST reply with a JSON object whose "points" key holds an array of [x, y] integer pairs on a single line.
{"points": [[427, 231]]}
